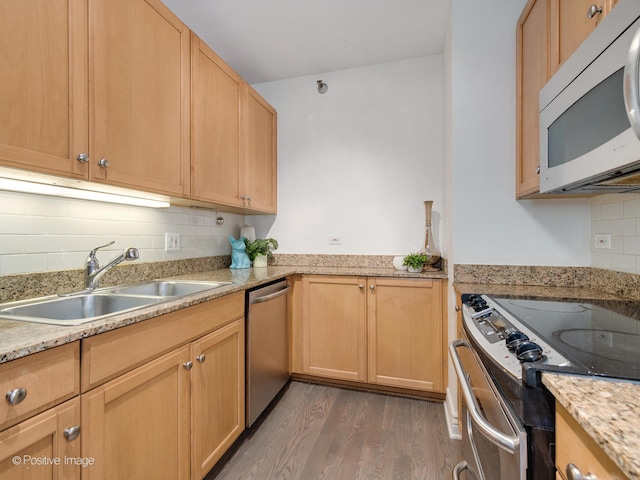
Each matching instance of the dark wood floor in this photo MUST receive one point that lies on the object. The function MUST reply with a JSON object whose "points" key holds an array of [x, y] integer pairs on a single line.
{"points": [[321, 432]]}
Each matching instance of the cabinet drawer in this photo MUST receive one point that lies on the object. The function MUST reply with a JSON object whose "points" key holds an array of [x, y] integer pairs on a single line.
{"points": [[113, 353], [47, 378]]}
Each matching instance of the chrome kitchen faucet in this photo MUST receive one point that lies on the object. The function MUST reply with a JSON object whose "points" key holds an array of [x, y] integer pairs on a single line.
{"points": [[93, 272]]}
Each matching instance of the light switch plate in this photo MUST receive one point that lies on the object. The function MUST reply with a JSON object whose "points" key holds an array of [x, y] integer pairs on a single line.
{"points": [[171, 242]]}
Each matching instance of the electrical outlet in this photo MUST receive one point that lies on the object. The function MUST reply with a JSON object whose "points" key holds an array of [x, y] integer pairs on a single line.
{"points": [[335, 240], [171, 242], [602, 240]]}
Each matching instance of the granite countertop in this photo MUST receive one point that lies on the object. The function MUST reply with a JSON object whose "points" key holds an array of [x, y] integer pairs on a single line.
{"points": [[18, 339], [608, 412]]}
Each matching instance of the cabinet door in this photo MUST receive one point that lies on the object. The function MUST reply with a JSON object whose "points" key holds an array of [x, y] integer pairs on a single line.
{"points": [[139, 77], [260, 187], [217, 395], [137, 426], [38, 448], [406, 333], [216, 170], [532, 72], [334, 327], [43, 99], [570, 25]]}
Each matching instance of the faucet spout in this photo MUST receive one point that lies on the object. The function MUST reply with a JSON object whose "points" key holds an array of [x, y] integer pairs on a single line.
{"points": [[93, 272]]}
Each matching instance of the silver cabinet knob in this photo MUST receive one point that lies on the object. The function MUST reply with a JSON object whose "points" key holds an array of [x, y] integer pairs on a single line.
{"points": [[82, 158], [201, 358], [372, 287], [187, 365], [16, 395], [538, 169], [574, 473], [457, 308], [71, 433], [593, 10], [361, 287], [103, 162]]}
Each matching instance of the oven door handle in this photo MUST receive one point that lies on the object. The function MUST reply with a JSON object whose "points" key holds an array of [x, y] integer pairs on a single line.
{"points": [[509, 443]]}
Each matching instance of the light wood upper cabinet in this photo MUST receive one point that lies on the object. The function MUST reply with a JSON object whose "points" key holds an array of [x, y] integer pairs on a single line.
{"points": [[532, 72], [139, 77], [260, 188], [570, 25], [43, 99], [406, 333], [548, 32], [217, 91], [233, 160]]}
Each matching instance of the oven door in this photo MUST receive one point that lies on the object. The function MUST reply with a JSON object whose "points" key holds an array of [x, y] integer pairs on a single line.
{"points": [[494, 442]]}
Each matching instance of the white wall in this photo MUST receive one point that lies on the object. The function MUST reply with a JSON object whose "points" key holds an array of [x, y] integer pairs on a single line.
{"points": [[490, 226], [40, 233], [359, 161]]}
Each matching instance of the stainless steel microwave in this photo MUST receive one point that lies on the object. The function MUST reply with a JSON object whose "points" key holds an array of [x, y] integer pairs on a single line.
{"points": [[590, 112]]}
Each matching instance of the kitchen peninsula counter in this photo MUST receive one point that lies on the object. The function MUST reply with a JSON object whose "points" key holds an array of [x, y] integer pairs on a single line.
{"points": [[607, 410], [18, 339]]}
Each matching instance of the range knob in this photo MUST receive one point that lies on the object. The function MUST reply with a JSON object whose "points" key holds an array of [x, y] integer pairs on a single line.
{"points": [[529, 352], [514, 339]]}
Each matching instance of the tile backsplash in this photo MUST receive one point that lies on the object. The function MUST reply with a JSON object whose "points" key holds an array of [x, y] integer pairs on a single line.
{"points": [[40, 233], [617, 215]]}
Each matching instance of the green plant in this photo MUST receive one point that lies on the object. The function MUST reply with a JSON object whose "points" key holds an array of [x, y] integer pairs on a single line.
{"points": [[415, 260], [260, 246]]}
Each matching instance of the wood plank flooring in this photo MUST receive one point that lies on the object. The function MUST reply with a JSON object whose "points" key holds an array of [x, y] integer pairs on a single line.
{"points": [[322, 432]]}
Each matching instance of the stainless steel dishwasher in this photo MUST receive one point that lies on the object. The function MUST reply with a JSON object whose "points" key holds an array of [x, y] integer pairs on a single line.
{"points": [[266, 347]]}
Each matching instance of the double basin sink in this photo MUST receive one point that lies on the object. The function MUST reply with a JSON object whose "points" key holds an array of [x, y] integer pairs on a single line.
{"points": [[83, 307]]}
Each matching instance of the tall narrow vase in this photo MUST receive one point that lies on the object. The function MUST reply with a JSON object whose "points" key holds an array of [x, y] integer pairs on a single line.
{"points": [[429, 245]]}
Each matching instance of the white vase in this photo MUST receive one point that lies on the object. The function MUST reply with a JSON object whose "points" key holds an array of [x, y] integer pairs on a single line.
{"points": [[260, 261], [415, 270]]}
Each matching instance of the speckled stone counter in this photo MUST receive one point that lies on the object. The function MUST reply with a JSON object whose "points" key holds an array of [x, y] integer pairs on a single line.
{"points": [[18, 339], [607, 410]]}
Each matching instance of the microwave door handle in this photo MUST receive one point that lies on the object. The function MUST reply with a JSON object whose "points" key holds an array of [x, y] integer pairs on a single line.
{"points": [[630, 84], [507, 443]]}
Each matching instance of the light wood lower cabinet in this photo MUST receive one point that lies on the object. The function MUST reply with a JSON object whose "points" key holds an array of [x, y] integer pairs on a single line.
{"points": [[38, 448], [574, 445], [384, 331]]}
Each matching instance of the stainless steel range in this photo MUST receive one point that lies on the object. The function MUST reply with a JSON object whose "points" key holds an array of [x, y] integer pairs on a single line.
{"points": [[508, 416]]}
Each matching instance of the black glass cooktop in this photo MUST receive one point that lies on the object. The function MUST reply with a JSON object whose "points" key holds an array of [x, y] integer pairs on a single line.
{"points": [[602, 337]]}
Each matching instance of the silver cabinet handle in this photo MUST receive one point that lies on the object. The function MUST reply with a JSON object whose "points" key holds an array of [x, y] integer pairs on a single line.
{"points": [[372, 287], [201, 358], [187, 365], [457, 308], [506, 442], [593, 10], [630, 84], [266, 298], [574, 473], [538, 170], [361, 287], [16, 395], [71, 433], [103, 162], [82, 158]]}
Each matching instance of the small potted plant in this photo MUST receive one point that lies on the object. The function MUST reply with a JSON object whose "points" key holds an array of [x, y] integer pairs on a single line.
{"points": [[415, 262], [259, 250]]}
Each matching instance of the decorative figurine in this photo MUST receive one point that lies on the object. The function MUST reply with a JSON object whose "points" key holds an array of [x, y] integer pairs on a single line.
{"points": [[239, 258]]}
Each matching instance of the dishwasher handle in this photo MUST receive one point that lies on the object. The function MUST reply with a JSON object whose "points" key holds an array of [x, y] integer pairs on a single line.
{"points": [[271, 296]]}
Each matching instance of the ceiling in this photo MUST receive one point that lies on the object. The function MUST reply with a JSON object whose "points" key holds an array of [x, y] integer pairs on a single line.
{"points": [[267, 40]]}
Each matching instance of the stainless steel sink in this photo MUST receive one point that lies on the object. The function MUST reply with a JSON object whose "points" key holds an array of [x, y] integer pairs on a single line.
{"points": [[169, 288], [76, 309], [73, 310]]}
